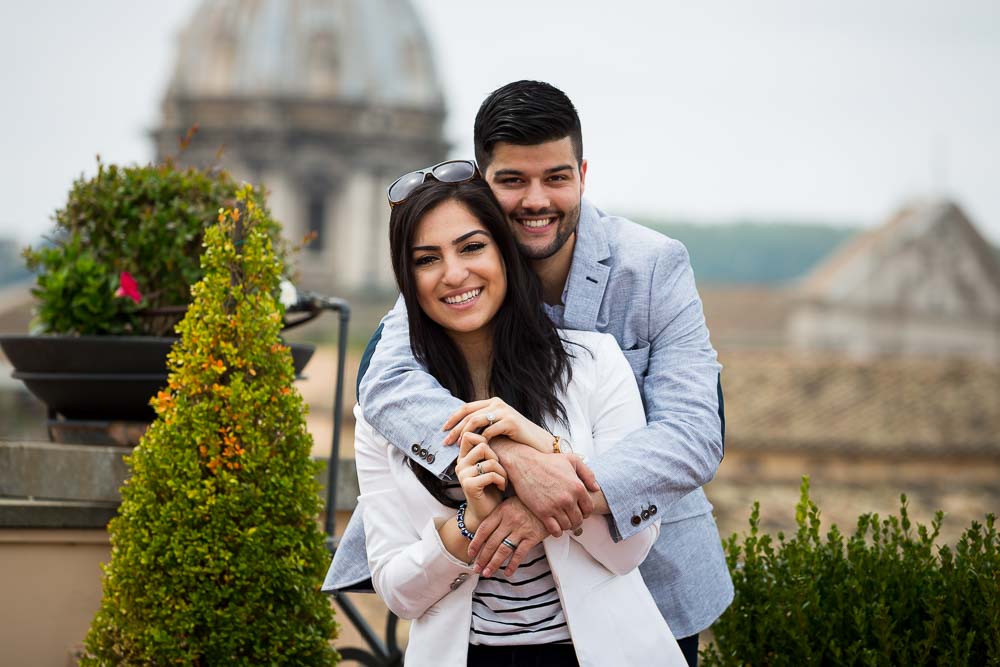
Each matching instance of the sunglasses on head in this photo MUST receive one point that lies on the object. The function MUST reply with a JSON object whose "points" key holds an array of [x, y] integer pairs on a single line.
{"points": [[449, 171]]}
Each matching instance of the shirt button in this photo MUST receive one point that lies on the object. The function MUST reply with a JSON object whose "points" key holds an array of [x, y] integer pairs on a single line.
{"points": [[652, 509], [415, 448], [430, 458], [578, 532], [423, 453], [636, 520]]}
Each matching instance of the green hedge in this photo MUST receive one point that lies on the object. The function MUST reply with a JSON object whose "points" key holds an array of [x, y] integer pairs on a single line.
{"points": [[217, 558], [886, 595]]}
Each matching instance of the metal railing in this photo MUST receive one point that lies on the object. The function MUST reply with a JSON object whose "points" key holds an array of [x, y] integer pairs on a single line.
{"points": [[379, 652]]}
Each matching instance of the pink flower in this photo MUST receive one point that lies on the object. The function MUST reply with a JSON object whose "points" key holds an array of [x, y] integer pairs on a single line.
{"points": [[128, 287]]}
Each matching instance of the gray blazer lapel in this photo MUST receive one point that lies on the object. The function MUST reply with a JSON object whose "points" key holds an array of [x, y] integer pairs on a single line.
{"points": [[588, 277]]}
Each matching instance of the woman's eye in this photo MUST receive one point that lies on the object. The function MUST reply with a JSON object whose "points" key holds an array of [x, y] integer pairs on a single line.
{"points": [[474, 247], [424, 260]]}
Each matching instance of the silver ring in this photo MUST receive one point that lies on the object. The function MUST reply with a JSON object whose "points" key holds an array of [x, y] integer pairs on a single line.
{"points": [[479, 467], [490, 417], [509, 544]]}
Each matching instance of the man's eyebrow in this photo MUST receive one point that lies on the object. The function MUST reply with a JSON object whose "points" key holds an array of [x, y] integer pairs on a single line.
{"points": [[506, 172], [517, 172], [455, 242]]}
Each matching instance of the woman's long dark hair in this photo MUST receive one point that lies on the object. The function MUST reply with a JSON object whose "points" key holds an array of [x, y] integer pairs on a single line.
{"points": [[530, 366]]}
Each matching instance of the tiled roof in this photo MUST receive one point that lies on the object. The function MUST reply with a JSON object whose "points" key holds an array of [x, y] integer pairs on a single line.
{"points": [[892, 406], [746, 314]]}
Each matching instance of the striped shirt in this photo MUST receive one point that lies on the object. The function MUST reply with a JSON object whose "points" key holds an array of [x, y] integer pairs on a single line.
{"points": [[522, 609]]}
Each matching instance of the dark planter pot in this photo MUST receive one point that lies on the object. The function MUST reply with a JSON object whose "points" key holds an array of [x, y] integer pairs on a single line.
{"points": [[100, 377]]}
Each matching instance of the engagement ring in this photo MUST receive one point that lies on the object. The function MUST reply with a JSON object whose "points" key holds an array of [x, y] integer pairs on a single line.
{"points": [[479, 467], [491, 418]]}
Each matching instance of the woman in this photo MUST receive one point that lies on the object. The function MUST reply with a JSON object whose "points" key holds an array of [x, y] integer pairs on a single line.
{"points": [[478, 326]]}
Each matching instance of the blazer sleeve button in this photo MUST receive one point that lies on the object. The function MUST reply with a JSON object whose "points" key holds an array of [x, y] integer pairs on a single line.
{"points": [[645, 514], [423, 453], [415, 448], [636, 520], [430, 458], [652, 509]]}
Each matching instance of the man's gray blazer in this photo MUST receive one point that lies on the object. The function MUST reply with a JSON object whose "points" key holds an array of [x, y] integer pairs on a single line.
{"points": [[637, 285]]}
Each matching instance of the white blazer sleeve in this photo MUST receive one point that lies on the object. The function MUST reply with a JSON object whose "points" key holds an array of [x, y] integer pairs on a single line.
{"points": [[411, 569], [402, 400], [615, 409]]}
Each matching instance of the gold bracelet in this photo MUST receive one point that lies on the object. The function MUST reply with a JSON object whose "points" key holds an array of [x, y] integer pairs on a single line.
{"points": [[555, 445]]}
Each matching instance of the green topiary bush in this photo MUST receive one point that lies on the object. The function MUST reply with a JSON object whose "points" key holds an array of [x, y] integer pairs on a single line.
{"points": [[147, 221], [217, 558], [884, 596]]}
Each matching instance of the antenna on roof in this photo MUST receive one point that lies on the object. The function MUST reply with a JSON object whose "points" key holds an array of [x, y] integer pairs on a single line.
{"points": [[939, 164]]}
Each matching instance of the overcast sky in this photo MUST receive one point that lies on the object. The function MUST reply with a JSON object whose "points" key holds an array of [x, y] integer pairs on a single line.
{"points": [[772, 109]]}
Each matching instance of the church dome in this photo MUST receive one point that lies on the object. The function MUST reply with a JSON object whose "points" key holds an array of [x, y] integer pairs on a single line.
{"points": [[369, 52]]}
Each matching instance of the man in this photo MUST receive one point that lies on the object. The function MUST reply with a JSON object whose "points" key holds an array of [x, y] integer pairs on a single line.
{"points": [[598, 273]]}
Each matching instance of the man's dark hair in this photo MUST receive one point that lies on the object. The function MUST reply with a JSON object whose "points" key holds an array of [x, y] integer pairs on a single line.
{"points": [[525, 113], [530, 365]]}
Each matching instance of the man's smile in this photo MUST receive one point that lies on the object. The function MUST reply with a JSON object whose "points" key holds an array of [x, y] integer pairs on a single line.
{"points": [[536, 224]]}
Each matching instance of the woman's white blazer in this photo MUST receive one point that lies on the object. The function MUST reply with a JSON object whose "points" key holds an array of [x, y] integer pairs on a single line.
{"points": [[609, 612]]}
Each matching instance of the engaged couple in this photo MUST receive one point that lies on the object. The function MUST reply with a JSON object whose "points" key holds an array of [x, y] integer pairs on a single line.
{"points": [[538, 415]]}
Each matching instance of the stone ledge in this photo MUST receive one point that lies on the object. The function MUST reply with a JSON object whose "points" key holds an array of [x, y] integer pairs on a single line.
{"points": [[54, 485], [57, 471], [28, 513], [58, 536]]}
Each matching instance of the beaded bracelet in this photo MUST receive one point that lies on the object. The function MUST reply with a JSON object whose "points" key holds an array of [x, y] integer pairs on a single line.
{"points": [[461, 521]]}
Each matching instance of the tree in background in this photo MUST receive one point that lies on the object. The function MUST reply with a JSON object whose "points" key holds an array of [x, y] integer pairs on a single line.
{"points": [[216, 556]]}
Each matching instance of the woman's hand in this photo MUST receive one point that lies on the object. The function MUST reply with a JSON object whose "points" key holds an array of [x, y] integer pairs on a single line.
{"points": [[482, 477], [496, 418]]}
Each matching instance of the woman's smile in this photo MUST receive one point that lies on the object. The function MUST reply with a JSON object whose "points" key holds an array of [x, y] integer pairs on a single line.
{"points": [[463, 299]]}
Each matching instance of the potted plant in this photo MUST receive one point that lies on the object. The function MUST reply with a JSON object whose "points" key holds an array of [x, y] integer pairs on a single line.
{"points": [[112, 282]]}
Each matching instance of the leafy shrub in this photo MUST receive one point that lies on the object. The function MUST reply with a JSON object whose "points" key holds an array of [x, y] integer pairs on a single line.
{"points": [[147, 221], [217, 558], [77, 292], [884, 596]]}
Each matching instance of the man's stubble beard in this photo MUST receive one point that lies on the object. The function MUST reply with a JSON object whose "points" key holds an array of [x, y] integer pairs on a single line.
{"points": [[564, 232]]}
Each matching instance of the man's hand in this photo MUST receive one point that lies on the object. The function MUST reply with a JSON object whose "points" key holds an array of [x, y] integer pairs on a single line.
{"points": [[510, 520], [554, 487]]}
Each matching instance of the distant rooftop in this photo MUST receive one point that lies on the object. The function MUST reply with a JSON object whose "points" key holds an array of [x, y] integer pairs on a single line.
{"points": [[889, 406]]}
